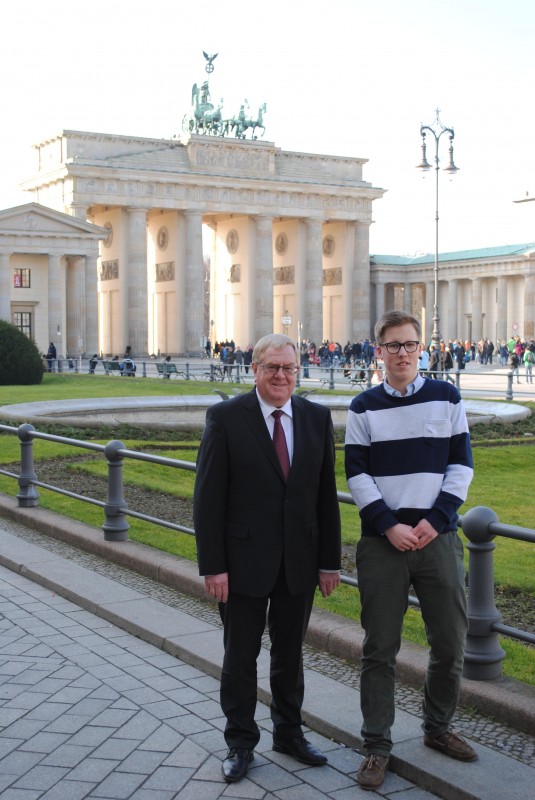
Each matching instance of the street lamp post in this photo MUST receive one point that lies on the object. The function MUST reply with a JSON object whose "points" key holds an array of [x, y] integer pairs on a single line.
{"points": [[437, 129]]}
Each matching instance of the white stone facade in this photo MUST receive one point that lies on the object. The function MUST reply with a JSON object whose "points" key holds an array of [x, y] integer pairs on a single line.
{"points": [[289, 247]]}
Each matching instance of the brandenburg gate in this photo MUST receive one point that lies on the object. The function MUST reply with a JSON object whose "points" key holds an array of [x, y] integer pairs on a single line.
{"points": [[212, 236]]}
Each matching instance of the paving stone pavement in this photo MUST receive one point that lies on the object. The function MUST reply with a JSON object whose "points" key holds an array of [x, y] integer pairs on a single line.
{"points": [[480, 728], [77, 688], [89, 711]]}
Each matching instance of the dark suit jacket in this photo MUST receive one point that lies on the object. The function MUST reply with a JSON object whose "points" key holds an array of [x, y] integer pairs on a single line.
{"points": [[246, 518]]}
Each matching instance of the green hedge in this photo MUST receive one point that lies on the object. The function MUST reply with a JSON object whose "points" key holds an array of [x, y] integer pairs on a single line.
{"points": [[20, 361]]}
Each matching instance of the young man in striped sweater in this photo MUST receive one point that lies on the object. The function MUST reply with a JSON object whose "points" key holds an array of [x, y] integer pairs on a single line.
{"points": [[408, 467]]}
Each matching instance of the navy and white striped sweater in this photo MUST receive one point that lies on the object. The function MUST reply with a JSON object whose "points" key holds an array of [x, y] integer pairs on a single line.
{"points": [[424, 436]]}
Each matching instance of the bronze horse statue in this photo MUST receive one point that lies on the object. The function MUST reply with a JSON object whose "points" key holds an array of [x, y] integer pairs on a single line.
{"points": [[241, 123]]}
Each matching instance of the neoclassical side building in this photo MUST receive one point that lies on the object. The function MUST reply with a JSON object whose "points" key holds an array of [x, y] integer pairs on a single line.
{"points": [[288, 237], [48, 277], [486, 293]]}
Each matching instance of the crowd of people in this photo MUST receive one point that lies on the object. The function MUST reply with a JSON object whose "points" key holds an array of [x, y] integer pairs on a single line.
{"points": [[436, 360]]}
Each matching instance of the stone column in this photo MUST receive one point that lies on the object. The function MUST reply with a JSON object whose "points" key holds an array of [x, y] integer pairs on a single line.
{"points": [[501, 310], [407, 297], [379, 301], [300, 278], [261, 276], [181, 289], [57, 318], [529, 306], [477, 309], [313, 322], [348, 279], [136, 281], [429, 310], [5, 288], [361, 283], [452, 330], [76, 306], [91, 303], [194, 278]]}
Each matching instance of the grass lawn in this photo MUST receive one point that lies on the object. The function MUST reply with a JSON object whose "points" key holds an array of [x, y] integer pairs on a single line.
{"points": [[501, 481]]}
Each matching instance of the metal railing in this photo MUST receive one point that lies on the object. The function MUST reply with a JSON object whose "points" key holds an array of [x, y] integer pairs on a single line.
{"points": [[483, 653], [314, 376]]}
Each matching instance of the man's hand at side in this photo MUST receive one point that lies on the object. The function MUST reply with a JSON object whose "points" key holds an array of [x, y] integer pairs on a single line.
{"points": [[328, 581], [217, 586]]}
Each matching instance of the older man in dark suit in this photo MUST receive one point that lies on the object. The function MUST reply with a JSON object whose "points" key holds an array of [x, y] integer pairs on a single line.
{"points": [[268, 532]]}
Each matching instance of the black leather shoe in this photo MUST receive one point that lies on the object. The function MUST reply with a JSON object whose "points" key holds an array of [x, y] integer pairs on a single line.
{"points": [[236, 764], [301, 750]]}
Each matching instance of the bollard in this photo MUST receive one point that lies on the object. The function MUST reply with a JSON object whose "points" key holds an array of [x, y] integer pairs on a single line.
{"points": [[28, 496], [369, 371], [144, 369], [115, 526], [458, 380], [483, 654], [509, 392], [212, 373]]}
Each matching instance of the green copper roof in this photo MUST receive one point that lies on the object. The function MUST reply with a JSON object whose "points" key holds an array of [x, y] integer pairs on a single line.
{"points": [[458, 255]]}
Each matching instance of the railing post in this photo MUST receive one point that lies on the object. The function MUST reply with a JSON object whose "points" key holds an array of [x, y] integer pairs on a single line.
{"points": [[212, 373], [144, 369], [369, 372], [458, 380], [483, 654], [509, 392], [298, 378], [28, 496], [115, 526], [187, 371], [331, 377]]}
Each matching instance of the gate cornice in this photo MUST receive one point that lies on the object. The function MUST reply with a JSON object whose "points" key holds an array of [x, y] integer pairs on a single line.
{"points": [[206, 173]]}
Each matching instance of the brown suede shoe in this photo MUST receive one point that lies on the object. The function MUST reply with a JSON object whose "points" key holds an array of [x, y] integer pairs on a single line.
{"points": [[371, 772], [452, 745]]}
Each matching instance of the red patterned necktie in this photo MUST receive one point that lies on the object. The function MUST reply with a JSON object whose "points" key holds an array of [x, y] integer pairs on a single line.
{"points": [[279, 440]]}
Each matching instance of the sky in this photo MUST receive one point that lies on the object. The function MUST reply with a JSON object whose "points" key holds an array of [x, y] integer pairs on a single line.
{"points": [[349, 77]]}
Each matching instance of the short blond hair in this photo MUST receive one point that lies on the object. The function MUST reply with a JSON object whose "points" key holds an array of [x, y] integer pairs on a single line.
{"points": [[393, 319]]}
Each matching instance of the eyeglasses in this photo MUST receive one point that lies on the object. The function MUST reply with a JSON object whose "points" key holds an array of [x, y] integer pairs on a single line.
{"points": [[272, 369], [394, 347]]}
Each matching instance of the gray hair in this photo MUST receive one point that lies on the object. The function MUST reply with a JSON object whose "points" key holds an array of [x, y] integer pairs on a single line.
{"points": [[277, 341]]}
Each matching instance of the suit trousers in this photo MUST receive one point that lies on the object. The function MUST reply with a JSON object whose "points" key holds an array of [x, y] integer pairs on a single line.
{"points": [[244, 621], [437, 575]]}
